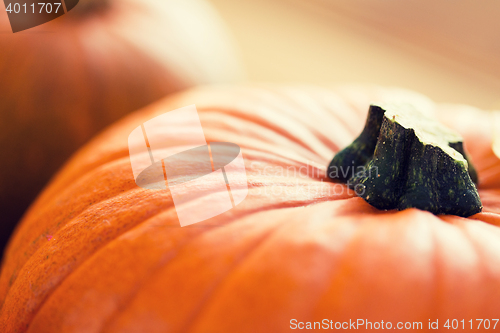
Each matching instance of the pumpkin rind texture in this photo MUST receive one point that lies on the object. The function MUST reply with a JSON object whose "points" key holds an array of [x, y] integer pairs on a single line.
{"points": [[97, 253], [65, 80]]}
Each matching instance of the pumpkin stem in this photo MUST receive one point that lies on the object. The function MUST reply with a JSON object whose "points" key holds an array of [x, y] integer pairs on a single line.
{"points": [[404, 159]]}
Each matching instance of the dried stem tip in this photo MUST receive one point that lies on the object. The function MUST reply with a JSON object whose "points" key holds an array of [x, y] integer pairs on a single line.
{"points": [[405, 159]]}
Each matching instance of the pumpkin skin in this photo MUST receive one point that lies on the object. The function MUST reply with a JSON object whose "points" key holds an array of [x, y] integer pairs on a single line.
{"points": [[64, 81], [96, 253]]}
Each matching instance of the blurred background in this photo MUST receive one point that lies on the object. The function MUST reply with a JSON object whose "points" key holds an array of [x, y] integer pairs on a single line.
{"points": [[448, 50]]}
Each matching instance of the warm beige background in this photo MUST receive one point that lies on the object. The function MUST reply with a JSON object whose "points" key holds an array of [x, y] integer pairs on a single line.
{"points": [[327, 41]]}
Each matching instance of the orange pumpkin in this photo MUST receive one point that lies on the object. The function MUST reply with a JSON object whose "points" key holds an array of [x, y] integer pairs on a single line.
{"points": [[64, 81], [97, 253]]}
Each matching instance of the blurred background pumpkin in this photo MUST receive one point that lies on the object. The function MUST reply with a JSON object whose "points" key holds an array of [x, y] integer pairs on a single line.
{"points": [[97, 253], [63, 81]]}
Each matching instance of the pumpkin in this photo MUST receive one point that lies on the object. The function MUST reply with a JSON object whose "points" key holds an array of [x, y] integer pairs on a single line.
{"points": [[64, 81], [97, 253]]}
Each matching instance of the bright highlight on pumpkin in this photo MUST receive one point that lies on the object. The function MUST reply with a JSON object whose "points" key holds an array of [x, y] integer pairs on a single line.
{"points": [[405, 159], [496, 133]]}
